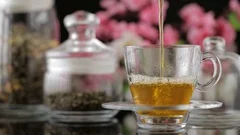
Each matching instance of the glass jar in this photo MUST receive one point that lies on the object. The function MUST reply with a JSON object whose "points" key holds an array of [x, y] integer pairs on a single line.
{"points": [[28, 28], [81, 73], [227, 90]]}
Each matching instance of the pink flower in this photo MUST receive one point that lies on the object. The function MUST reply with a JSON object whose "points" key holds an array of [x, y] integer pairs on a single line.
{"points": [[193, 15], [235, 7], [104, 31], [225, 29], [117, 9], [150, 13], [103, 16], [133, 27], [119, 29], [146, 43], [171, 35], [208, 20], [192, 21], [197, 35], [198, 24], [107, 3], [135, 5], [147, 31], [191, 10], [205, 20]]}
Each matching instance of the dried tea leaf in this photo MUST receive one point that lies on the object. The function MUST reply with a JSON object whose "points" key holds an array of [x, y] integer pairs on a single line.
{"points": [[77, 101], [26, 66]]}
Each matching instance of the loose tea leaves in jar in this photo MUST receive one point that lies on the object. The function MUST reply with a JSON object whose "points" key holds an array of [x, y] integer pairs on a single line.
{"points": [[77, 101], [23, 72]]}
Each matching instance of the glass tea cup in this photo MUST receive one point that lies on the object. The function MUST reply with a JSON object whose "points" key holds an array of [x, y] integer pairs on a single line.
{"points": [[166, 78]]}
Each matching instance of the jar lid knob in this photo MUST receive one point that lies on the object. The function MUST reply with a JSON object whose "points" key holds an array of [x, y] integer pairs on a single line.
{"points": [[214, 43], [81, 18]]}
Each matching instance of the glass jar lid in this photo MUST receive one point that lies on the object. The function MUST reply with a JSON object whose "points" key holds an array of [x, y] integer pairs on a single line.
{"points": [[81, 18]]}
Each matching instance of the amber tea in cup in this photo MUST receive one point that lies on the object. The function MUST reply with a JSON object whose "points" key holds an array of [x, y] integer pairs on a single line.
{"points": [[173, 87], [161, 92]]}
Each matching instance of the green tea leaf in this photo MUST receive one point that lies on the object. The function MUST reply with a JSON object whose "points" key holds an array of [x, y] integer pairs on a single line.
{"points": [[125, 87], [234, 21], [126, 130], [181, 41]]}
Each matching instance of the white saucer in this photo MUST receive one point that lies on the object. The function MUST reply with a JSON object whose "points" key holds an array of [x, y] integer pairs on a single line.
{"points": [[128, 106]]}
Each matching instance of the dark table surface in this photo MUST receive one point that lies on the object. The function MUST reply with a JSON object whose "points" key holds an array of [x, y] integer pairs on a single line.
{"points": [[123, 124]]}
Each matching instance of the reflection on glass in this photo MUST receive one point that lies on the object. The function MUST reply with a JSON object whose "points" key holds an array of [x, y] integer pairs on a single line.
{"points": [[149, 132], [213, 132], [21, 128], [107, 128]]}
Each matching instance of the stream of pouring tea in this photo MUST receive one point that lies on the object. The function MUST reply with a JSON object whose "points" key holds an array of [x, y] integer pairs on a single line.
{"points": [[161, 38]]}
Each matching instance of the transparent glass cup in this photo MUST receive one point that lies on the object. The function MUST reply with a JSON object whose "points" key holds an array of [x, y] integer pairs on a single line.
{"points": [[166, 80]]}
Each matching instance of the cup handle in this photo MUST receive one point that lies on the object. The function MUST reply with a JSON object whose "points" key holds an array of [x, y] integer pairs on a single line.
{"points": [[216, 73]]}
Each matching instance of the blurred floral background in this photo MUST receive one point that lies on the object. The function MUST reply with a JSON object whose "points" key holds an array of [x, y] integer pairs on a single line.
{"points": [[135, 22], [186, 21]]}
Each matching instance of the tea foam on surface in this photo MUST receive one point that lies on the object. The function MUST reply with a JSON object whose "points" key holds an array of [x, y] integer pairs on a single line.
{"points": [[149, 80]]}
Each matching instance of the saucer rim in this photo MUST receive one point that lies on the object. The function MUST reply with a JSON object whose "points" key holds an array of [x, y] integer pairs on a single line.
{"points": [[194, 105]]}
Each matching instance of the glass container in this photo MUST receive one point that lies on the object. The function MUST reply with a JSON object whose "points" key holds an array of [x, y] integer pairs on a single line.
{"points": [[81, 74], [227, 90], [28, 28]]}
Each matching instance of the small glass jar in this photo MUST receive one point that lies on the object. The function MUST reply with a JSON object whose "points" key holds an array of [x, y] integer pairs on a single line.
{"points": [[227, 90], [27, 30], [81, 74]]}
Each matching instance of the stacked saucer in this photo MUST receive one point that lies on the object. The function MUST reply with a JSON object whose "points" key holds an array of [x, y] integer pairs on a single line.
{"points": [[214, 119]]}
